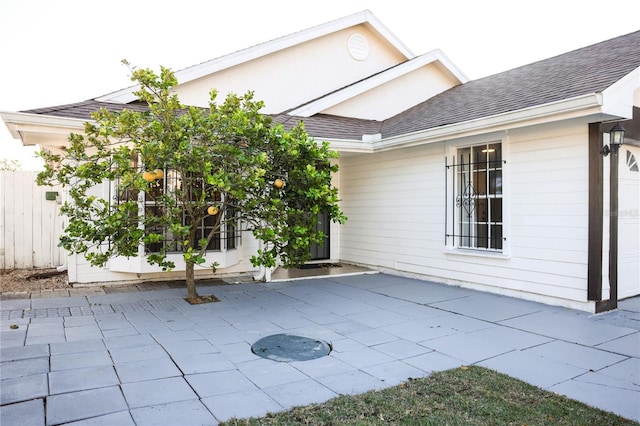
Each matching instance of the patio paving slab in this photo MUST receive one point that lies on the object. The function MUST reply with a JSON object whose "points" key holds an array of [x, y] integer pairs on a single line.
{"points": [[79, 379], [621, 401], [401, 349], [516, 339], [434, 361], [325, 366], [155, 392], [241, 404], [220, 383], [422, 292], [299, 393], [378, 319], [419, 330], [69, 407], [266, 373], [28, 413], [627, 371], [488, 307], [533, 368], [365, 357], [59, 302], [190, 412], [352, 383], [121, 418], [468, 348], [151, 369], [24, 367], [72, 361], [23, 352], [23, 388], [202, 363], [626, 345], [393, 373], [137, 353], [568, 326], [577, 355]]}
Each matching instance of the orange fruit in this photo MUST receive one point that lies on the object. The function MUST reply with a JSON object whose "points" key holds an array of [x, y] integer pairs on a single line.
{"points": [[149, 176], [212, 210], [278, 183]]}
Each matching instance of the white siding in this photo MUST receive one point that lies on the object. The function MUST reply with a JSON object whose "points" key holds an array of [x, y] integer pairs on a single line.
{"points": [[395, 202]]}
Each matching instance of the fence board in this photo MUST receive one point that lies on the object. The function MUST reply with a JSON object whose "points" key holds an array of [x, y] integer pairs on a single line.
{"points": [[30, 225]]}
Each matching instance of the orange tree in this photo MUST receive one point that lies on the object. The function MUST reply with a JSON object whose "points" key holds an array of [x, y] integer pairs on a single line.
{"points": [[205, 170]]}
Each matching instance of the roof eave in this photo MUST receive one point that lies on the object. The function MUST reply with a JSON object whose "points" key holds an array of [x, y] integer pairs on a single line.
{"points": [[23, 125], [586, 105]]}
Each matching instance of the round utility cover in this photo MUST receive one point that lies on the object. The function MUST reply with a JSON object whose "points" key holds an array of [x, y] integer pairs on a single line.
{"points": [[288, 347]]}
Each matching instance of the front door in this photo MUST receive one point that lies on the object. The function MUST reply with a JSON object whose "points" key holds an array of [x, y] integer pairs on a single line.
{"points": [[321, 251]]}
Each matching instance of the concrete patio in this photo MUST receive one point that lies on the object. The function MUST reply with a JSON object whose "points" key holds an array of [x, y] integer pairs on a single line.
{"points": [[148, 357]]}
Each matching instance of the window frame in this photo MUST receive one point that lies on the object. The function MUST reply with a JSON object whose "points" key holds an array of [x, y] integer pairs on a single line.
{"points": [[453, 236], [227, 255]]}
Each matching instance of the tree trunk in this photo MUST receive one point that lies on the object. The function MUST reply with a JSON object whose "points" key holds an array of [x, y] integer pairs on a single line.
{"points": [[192, 293]]}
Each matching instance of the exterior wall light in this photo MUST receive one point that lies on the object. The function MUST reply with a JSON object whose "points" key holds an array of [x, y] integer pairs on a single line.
{"points": [[616, 138]]}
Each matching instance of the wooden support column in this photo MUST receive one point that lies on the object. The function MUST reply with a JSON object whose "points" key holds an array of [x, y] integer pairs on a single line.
{"points": [[594, 262]]}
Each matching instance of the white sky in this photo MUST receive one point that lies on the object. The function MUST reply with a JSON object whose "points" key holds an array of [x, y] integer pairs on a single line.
{"points": [[61, 51]]}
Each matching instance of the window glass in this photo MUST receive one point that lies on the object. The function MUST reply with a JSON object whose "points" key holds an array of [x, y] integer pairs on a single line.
{"points": [[478, 197]]}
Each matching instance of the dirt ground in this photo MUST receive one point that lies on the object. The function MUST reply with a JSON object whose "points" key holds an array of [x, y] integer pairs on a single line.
{"points": [[29, 280]]}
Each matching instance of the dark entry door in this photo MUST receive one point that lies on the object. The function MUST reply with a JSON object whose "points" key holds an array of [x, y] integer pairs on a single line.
{"points": [[321, 251]]}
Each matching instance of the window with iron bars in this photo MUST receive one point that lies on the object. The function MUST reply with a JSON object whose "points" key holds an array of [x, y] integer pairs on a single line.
{"points": [[477, 199], [150, 202]]}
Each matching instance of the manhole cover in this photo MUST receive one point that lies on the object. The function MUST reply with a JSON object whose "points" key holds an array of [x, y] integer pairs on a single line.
{"points": [[288, 347]]}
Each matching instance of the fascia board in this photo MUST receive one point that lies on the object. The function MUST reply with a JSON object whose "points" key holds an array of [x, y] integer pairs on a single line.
{"points": [[227, 61], [356, 89], [577, 106]]}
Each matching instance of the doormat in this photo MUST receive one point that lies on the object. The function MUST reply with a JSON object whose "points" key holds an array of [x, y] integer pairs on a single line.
{"points": [[319, 265], [289, 347]]}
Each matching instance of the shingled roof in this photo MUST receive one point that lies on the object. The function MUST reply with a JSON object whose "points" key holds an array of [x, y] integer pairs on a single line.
{"points": [[584, 71], [587, 70], [83, 110]]}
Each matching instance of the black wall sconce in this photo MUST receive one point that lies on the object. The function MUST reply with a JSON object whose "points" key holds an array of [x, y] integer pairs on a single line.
{"points": [[616, 138]]}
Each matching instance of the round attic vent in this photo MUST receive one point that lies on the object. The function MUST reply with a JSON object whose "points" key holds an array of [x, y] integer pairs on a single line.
{"points": [[358, 47]]}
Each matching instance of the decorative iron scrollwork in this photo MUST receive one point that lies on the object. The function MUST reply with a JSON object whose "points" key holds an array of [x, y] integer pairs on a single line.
{"points": [[467, 199]]}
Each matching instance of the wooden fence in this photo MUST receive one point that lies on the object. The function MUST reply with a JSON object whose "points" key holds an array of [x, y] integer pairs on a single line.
{"points": [[30, 222]]}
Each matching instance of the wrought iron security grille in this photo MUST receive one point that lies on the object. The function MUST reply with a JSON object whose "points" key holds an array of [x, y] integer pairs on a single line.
{"points": [[477, 198], [150, 202]]}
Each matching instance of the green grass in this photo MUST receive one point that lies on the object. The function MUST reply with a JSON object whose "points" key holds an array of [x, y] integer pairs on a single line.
{"points": [[463, 396]]}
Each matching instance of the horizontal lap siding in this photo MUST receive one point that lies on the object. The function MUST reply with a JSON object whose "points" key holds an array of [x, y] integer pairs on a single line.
{"points": [[395, 204], [549, 214]]}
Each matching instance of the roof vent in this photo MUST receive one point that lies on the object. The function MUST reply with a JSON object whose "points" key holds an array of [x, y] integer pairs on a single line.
{"points": [[375, 137], [358, 47]]}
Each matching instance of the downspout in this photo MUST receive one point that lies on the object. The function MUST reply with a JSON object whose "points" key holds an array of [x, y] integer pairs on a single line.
{"points": [[264, 273]]}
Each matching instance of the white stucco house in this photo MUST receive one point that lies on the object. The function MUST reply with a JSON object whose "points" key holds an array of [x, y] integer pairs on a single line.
{"points": [[499, 184]]}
